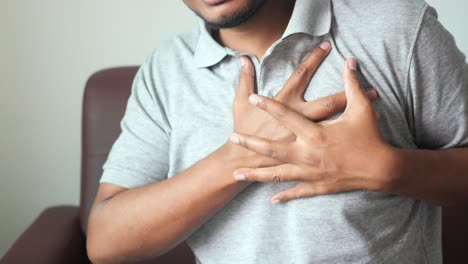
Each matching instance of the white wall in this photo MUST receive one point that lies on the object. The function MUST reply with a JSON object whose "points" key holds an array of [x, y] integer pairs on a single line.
{"points": [[48, 49]]}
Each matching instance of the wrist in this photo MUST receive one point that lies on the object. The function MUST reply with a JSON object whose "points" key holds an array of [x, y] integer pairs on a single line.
{"points": [[237, 157], [386, 171]]}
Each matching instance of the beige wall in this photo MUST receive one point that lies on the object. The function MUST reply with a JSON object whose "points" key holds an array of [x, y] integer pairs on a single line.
{"points": [[48, 49]]}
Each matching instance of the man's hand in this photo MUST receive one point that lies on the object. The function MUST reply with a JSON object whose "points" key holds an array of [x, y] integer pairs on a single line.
{"points": [[328, 157], [250, 120]]}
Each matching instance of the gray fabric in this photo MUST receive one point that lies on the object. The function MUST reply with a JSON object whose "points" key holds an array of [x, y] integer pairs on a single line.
{"points": [[180, 111]]}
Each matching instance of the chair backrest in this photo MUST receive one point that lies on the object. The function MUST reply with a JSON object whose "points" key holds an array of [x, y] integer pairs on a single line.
{"points": [[104, 104]]}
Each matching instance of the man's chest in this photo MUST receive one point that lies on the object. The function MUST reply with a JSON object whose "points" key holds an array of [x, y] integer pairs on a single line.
{"points": [[202, 120]]}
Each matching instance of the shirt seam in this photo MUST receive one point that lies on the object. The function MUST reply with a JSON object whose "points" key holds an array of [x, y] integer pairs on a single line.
{"points": [[409, 62], [407, 106]]}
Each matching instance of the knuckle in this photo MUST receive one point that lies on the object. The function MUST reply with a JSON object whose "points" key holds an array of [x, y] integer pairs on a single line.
{"points": [[301, 72], [316, 57], [313, 160], [299, 193], [317, 137], [247, 71], [270, 152], [331, 103], [281, 113], [245, 142], [320, 190], [250, 176], [277, 177], [288, 195], [264, 104]]}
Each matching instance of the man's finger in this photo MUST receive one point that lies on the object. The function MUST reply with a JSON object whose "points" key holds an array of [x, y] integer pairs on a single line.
{"points": [[299, 80], [278, 174], [354, 93], [286, 116], [301, 190], [247, 79], [324, 107], [268, 148]]}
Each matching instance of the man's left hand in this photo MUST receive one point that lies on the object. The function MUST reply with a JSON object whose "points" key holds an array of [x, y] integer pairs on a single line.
{"points": [[333, 156]]}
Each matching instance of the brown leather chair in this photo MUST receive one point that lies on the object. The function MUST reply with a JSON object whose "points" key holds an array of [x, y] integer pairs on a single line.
{"points": [[58, 235]]}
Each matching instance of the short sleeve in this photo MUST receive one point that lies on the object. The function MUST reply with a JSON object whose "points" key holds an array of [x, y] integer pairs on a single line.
{"points": [[140, 154], [437, 88]]}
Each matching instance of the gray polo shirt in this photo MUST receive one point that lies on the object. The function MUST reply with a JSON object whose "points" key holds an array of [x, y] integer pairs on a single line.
{"points": [[180, 110]]}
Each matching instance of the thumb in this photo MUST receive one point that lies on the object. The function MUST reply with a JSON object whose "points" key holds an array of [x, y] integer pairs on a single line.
{"points": [[247, 79], [354, 94]]}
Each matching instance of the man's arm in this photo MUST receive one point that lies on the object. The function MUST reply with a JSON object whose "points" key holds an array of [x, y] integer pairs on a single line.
{"points": [[144, 222], [438, 110], [438, 176]]}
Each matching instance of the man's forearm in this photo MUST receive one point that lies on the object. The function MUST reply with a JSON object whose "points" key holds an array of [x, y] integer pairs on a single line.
{"points": [[437, 176], [148, 221]]}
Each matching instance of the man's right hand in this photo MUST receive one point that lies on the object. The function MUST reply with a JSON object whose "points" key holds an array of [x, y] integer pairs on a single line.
{"points": [[249, 120]]}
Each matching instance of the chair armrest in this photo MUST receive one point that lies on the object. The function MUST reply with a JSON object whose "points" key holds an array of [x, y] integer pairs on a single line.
{"points": [[455, 234], [54, 237]]}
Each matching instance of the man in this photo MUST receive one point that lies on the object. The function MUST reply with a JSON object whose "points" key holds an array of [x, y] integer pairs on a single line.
{"points": [[170, 175]]}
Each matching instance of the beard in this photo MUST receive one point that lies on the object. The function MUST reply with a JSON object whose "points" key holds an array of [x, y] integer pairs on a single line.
{"points": [[236, 18]]}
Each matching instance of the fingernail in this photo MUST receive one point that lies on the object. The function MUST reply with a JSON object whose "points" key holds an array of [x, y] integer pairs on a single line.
{"points": [[243, 61], [255, 99], [352, 63], [325, 45], [240, 177], [235, 139], [275, 201], [372, 93]]}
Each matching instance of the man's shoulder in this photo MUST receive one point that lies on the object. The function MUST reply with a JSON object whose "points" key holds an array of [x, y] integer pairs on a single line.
{"points": [[383, 15], [381, 8], [383, 27], [179, 49]]}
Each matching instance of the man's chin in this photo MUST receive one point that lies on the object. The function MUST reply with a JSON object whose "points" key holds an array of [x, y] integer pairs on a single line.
{"points": [[227, 15], [224, 23]]}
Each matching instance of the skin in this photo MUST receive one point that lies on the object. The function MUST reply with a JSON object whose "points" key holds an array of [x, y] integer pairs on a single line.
{"points": [[253, 36], [349, 153], [229, 15]]}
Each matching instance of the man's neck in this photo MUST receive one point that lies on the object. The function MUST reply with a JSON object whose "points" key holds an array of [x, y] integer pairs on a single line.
{"points": [[257, 34]]}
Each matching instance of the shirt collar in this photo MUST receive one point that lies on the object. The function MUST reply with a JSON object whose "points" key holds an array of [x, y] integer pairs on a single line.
{"points": [[312, 17], [208, 51]]}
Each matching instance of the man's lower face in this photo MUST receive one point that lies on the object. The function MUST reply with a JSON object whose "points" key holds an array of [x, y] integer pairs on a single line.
{"points": [[224, 13]]}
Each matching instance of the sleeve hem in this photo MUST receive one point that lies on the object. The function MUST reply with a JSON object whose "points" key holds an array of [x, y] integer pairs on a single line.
{"points": [[125, 178]]}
